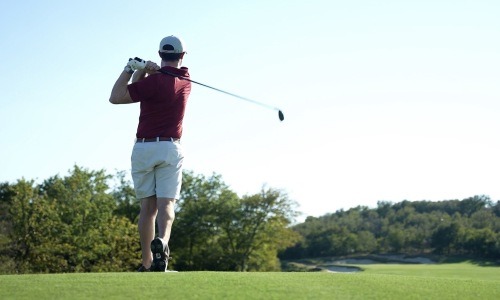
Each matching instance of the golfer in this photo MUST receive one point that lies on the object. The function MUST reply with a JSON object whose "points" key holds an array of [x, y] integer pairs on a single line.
{"points": [[157, 153]]}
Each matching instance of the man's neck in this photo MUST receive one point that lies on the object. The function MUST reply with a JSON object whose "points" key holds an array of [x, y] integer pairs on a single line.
{"points": [[175, 64]]}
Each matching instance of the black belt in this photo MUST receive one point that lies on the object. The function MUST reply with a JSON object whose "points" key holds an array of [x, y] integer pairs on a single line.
{"points": [[157, 139]]}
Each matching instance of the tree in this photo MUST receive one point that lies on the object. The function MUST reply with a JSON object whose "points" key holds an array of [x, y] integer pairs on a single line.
{"points": [[258, 225], [482, 242], [24, 210], [217, 230], [366, 242], [485, 218], [77, 223], [7, 264], [396, 239], [194, 240], [471, 205], [67, 225], [445, 238], [496, 209], [127, 204]]}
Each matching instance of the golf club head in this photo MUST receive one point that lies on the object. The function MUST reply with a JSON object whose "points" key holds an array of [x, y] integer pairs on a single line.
{"points": [[280, 115]]}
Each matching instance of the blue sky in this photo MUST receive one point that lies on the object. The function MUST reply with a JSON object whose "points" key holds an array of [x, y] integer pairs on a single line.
{"points": [[383, 100]]}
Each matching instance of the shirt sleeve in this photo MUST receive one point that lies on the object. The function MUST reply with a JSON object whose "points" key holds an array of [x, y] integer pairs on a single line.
{"points": [[143, 89]]}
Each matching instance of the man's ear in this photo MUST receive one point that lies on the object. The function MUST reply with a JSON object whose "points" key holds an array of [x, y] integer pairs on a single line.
{"points": [[182, 55]]}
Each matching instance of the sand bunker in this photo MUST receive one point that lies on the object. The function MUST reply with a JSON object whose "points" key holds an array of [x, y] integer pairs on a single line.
{"points": [[385, 259], [337, 269]]}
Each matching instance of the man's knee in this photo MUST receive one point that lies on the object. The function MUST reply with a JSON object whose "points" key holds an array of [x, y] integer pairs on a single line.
{"points": [[148, 206], [166, 206], [165, 202]]}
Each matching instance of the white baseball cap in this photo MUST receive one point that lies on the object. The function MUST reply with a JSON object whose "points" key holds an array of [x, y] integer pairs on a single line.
{"points": [[171, 44]]}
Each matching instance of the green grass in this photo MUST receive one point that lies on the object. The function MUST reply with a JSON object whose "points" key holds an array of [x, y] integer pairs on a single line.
{"points": [[444, 281], [459, 271]]}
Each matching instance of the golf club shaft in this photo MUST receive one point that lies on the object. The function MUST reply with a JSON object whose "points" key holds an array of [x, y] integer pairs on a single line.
{"points": [[219, 90]]}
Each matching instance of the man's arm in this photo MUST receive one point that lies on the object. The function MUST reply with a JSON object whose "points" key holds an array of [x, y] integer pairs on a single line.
{"points": [[138, 75], [119, 93]]}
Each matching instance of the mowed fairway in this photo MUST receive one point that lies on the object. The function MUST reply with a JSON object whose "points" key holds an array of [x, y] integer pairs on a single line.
{"points": [[446, 281]]}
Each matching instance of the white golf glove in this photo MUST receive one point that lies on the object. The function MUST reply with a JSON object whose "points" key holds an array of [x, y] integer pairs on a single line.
{"points": [[135, 64]]}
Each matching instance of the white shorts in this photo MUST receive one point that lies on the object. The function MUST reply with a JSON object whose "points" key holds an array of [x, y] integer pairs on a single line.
{"points": [[157, 169]]}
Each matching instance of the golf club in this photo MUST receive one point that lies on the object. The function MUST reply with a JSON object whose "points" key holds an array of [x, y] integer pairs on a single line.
{"points": [[140, 63]]}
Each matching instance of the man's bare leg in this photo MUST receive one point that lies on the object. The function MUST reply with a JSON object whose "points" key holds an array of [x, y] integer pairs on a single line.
{"points": [[147, 228], [165, 217]]}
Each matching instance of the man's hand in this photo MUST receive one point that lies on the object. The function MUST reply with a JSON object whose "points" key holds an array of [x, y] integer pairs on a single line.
{"points": [[151, 67], [136, 63]]}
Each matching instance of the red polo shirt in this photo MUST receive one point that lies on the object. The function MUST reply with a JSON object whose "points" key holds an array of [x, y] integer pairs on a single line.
{"points": [[163, 101]]}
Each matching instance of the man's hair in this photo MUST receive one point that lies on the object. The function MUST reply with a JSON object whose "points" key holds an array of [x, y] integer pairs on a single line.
{"points": [[170, 56]]}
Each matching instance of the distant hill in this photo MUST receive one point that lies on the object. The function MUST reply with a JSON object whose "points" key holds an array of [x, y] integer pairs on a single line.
{"points": [[466, 227]]}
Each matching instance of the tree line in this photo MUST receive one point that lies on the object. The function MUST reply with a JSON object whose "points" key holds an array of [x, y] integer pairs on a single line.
{"points": [[87, 222], [454, 227]]}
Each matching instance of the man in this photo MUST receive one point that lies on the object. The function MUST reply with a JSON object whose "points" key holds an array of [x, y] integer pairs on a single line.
{"points": [[157, 154]]}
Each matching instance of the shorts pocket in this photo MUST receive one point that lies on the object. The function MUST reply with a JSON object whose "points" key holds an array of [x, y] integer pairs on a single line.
{"points": [[138, 159]]}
